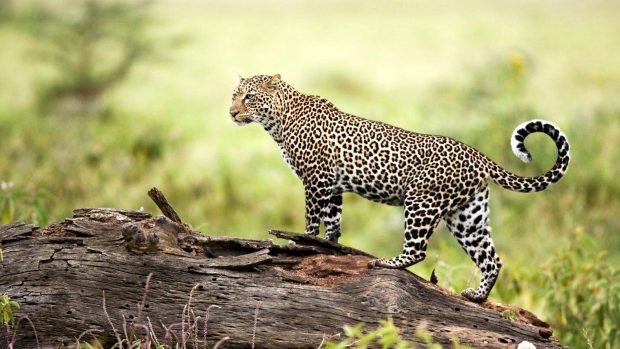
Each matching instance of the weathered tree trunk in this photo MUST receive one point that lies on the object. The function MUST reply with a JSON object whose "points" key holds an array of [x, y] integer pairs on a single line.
{"points": [[275, 296]]}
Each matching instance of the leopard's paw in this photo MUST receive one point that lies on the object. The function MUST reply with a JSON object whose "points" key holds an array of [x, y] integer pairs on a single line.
{"points": [[379, 263], [473, 296]]}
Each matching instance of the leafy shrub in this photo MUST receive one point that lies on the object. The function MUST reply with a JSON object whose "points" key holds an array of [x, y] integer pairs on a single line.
{"points": [[385, 336], [583, 300], [91, 48]]}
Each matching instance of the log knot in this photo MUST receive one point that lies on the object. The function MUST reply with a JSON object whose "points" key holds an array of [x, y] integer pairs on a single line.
{"points": [[152, 236]]}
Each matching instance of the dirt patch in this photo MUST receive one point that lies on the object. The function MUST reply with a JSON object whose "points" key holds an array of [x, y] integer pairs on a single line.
{"points": [[326, 270]]}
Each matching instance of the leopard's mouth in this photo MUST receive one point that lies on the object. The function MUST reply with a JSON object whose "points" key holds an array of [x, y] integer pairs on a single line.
{"points": [[242, 119]]}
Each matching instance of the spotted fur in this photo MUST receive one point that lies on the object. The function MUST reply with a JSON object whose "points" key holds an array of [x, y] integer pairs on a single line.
{"points": [[433, 177]]}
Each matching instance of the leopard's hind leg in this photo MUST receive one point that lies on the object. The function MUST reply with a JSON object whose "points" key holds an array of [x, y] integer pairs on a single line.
{"points": [[470, 225], [422, 214]]}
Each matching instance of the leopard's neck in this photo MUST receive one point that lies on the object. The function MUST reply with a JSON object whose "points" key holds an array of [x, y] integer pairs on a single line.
{"points": [[276, 126], [294, 105]]}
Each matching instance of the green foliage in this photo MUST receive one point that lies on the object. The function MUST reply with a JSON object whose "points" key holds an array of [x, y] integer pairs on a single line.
{"points": [[490, 87], [385, 336], [509, 314], [95, 344], [7, 306], [79, 164], [583, 298], [91, 48], [23, 206], [5, 10]]}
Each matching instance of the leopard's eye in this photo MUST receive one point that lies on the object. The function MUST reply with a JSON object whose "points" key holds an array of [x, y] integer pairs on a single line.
{"points": [[248, 97]]}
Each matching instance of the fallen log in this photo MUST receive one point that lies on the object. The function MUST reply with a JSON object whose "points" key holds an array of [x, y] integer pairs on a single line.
{"points": [[115, 274]]}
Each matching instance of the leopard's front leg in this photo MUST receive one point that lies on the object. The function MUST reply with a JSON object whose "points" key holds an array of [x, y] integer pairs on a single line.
{"points": [[318, 195], [332, 216]]}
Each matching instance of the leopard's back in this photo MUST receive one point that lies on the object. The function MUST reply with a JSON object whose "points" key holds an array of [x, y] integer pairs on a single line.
{"points": [[374, 159]]}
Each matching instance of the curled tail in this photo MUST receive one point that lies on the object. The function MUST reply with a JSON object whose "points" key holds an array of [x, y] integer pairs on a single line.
{"points": [[513, 182]]}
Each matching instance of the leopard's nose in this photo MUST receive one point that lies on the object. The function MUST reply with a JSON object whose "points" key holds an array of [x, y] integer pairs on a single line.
{"points": [[233, 112]]}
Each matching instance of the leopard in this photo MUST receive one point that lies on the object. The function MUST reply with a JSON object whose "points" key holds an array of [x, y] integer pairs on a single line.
{"points": [[433, 177]]}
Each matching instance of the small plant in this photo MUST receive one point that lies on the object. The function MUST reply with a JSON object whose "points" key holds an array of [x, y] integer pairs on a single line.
{"points": [[426, 338], [385, 336], [8, 322], [509, 314], [7, 305], [139, 333]]}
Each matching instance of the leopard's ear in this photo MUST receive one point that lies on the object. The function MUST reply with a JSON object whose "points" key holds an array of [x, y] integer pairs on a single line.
{"points": [[270, 85], [240, 79]]}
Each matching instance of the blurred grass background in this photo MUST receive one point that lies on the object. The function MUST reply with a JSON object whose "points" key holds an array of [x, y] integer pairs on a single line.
{"points": [[101, 100]]}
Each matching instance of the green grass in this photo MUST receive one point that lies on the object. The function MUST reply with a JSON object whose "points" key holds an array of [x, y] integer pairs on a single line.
{"points": [[469, 71]]}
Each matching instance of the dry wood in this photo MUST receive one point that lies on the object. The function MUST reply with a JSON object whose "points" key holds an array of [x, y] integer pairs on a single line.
{"points": [[162, 203], [306, 291]]}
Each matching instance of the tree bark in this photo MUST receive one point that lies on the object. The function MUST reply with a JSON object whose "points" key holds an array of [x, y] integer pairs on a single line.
{"points": [[89, 274]]}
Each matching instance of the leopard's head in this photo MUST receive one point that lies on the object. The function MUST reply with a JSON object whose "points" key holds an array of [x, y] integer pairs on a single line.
{"points": [[256, 99]]}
